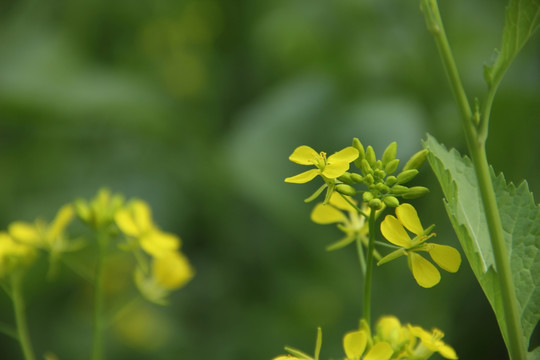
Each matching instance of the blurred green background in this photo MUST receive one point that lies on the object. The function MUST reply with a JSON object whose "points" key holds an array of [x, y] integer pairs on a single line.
{"points": [[195, 106]]}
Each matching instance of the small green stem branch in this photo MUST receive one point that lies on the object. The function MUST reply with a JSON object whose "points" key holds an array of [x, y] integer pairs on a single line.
{"points": [[361, 258], [20, 316], [369, 268], [476, 140], [98, 321]]}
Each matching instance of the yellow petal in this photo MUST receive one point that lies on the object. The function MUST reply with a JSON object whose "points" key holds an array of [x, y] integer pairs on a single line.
{"points": [[424, 272], [338, 201], [125, 222], [60, 222], [304, 155], [25, 233], [448, 352], [335, 170], [408, 216], [388, 328], [354, 343], [142, 215], [326, 214], [303, 177], [346, 156], [286, 357], [394, 232], [158, 243], [446, 257], [172, 270], [380, 351]]}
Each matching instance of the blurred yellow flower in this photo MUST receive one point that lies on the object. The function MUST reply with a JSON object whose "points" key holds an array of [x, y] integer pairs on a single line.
{"points": [[13, 254], [99, 212], [355, 343], [431, 342], [424, 272], [135, 220], [389, 329], [46, 236], [329, 168]]}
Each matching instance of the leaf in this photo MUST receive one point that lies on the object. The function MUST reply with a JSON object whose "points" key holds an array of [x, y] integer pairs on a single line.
{"points": [[522, 19], [520, 218]]}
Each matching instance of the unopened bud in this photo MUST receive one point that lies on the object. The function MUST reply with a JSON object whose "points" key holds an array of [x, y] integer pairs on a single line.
{"points": [[415, 192], [375, 204], [367, 196], [357, 178], [391, 180], [382, 187], [391, 166], [370, 156], [346, 178], [416, 161], [345, 189], [391, 201], [406, 176], [390, 153], [366, 168], [399, 189], [361, 153], [369, 179]]}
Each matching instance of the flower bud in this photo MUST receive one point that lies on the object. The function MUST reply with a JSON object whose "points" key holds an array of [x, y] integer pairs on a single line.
{"points": [[379, 174], [366, 168], [375, 204], [382, 187], [367, 196], [399, 189], [390, 153], [357, 178], [391, 201], [416, 161], [369, 179], [391, 166], [345, 189], [391, 180], [370, 156], [378, 165], [406, 176], [346, 178], [361, 153], [415, 192]]}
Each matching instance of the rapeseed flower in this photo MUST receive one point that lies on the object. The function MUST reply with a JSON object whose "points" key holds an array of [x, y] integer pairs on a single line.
{"points": [[430, 342], [13, 254], [355, 343], [424, 272], [330, 167]]}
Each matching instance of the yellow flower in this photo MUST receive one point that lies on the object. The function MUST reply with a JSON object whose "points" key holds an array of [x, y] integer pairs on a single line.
{"points": [[13, 253], [424, 272], [42, 235], [389, 329], [135, 220], [431, 342], [338, 210], [99, 212], [329, 168], [286, 357], [355, 343]]}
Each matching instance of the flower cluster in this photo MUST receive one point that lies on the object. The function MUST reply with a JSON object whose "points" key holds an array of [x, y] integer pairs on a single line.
{"points": [[391, 341]]}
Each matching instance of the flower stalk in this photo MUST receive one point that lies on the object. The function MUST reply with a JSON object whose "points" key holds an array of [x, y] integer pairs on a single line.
{"points": [[20, 316], [476, 140], [98, 321], [369, 268]]}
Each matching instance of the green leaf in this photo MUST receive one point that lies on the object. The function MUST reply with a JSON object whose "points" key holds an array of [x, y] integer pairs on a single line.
{"points": [[522, 19], [520, 218]]}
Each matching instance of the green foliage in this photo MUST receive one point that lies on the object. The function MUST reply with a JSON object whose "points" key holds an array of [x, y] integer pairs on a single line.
{"points": [[522, 19], [520, 218]]}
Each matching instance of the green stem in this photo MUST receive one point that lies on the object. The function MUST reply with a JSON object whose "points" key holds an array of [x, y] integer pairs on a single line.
{"points": [[361, 257], [20, 316], [369, 268], [476, 141], [98, 322]]}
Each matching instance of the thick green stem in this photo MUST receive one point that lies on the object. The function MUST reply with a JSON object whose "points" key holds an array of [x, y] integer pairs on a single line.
{"points": [[20, 316], [98, 322], [369, 268], [476, 144]]}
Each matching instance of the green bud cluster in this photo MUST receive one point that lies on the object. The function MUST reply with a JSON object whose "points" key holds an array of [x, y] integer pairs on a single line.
{"points": [[377, 175]]}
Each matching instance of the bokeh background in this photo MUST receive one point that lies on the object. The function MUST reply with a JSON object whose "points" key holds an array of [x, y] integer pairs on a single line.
{"points": [[194, 106]]}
